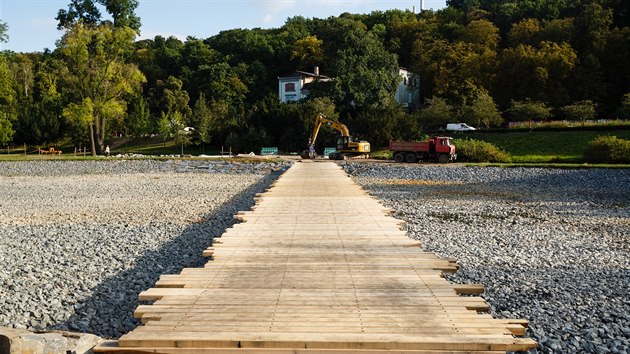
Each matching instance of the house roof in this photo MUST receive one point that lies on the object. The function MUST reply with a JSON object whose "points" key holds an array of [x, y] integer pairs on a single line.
{"points": [[298, 73]]}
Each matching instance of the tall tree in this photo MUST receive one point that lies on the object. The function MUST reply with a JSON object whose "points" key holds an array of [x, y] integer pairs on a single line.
{"points": [[201, 120], [84, 11], [537, 73], [482, 111], [138, 122], [7, 94], [87, 12], [437, 112], [7, 102], [307, 52], [366, 73], [122, 11], [4, 28], [98, 78]]}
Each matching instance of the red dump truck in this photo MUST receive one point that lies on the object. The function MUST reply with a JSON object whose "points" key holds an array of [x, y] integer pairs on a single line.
{"points": [[437, 148]]}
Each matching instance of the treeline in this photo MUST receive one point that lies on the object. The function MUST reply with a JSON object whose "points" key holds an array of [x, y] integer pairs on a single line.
{"points": [[483, 62]]}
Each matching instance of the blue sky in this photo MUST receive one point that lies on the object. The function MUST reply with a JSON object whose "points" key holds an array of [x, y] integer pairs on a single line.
{"points": [[32, 25]]}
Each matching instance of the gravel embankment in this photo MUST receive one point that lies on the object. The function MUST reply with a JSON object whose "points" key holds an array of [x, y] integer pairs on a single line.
{"points": [[80, 240], [550, 245]]}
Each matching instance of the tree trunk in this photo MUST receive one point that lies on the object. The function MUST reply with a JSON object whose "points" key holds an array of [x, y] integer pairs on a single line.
{"points": [[92, 140], [99, 135]]}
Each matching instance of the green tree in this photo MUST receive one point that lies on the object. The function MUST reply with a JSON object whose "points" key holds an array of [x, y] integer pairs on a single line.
{"points": [[22, 68], [307, 52], [525, 32], [122, 11], [138, 121], [559, 30], [592, 31], [623, 111], [165, 128], [616, 68], [178, 130], [579, 111], [6, 130], [201, 120], [173, 98], [7, 102], [539, 73], [97, 77], [87, 13], [4, 28], [455, 71], [40, 118], [367, 75], [437, 112], [482, 111], [84, 11], [528, 111], [482, 33]]}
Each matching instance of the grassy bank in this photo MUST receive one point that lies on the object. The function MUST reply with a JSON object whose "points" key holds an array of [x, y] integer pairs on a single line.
{"points": [[545, 147]]}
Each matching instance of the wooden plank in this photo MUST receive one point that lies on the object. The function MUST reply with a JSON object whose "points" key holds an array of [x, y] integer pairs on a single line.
{"points": [[113, 347], [325, 341]]}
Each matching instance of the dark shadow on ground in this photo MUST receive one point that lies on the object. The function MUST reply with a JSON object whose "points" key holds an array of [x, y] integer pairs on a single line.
{"points": [[108, 312]]}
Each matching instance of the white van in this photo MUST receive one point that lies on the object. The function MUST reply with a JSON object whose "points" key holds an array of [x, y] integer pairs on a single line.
{"points": [[460, 127]]}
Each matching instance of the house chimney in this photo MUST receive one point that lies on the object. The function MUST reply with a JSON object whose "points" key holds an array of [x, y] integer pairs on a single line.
{"points": [[316, 70]]}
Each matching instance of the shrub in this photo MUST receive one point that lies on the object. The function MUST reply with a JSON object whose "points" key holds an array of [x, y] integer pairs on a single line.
{"points": [[608, 149], [437, 112], [470, 150], [579, 111], [528, 111]]}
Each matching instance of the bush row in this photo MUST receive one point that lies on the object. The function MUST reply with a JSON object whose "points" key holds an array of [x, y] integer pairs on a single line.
{"points": [[608, 149], [471, 150]]}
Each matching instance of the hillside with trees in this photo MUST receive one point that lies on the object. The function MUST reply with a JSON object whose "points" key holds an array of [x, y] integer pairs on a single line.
{"points": [[483, 62]]}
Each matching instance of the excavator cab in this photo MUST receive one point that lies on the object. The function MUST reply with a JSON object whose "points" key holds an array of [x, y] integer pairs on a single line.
{"points": [[342, 143]]}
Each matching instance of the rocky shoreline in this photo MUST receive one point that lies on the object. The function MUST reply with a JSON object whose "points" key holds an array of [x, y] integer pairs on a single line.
{"points": [[550, 245], [81, 239]]}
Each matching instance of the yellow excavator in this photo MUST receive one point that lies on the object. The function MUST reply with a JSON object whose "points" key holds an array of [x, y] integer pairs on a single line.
{"points": [[347, 146]]}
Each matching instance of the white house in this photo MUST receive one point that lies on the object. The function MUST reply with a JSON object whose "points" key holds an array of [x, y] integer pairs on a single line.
{"points": [[408, 91], [293, 86]]}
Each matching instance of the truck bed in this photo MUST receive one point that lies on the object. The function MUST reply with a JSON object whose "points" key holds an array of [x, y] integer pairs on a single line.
{"points": [[409, 146]]}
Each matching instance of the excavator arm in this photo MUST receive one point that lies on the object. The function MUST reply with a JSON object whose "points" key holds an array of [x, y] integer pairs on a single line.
{"points": [[322, 119], [347, 147]]}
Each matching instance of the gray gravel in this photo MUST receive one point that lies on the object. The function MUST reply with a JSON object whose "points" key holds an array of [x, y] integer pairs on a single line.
{"points": [[550, 245], [80, 240]]}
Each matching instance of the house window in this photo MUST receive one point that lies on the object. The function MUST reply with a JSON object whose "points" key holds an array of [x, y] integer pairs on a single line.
{"points": [[289, 87], [291, 98]]}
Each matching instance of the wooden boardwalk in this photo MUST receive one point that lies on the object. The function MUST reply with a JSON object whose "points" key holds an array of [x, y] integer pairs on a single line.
{"points": [[317, 266]]}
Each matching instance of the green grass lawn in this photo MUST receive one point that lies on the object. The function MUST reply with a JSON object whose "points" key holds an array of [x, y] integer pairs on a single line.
{"points": [[545, 147], [156, 146]]}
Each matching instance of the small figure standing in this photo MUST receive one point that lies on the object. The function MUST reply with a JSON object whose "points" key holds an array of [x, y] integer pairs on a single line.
{"points": [[107, 151], [311, 151]]}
